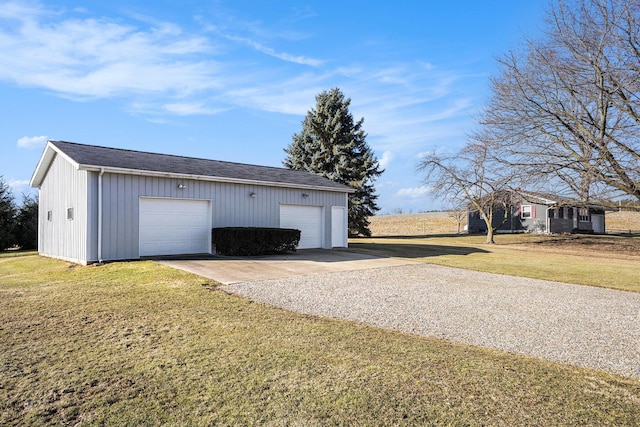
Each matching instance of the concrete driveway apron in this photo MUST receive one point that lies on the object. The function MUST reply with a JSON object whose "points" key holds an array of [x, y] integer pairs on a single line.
{"points": [[227, 270]]}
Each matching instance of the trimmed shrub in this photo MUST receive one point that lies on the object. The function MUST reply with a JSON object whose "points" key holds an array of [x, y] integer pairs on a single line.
{"points": [[249, 241]]}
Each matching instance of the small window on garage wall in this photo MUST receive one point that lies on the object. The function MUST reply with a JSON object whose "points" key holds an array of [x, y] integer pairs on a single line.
{"points": [[70, 214]]}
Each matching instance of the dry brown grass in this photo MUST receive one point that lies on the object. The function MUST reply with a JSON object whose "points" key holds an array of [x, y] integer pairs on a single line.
{"points": [[137, 343], [598, 260], [443, 223], [414, 224], [623, 222]]}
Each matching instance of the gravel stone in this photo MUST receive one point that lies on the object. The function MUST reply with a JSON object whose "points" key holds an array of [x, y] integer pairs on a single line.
{"points": [[585, 326]]}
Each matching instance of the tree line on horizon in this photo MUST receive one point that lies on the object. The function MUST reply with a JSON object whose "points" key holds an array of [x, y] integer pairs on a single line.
{"points": [[18, 224]]}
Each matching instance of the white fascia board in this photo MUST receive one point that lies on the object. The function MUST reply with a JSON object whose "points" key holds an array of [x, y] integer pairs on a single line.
{"points": [[125, 171], [530, 197], [49, 153]]}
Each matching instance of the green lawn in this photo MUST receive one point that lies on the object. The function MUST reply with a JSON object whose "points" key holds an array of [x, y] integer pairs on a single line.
{"points": [[517, 255], [137, 343]]}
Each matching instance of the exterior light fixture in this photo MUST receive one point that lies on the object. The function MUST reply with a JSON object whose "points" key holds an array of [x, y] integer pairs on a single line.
{"points": [[252, 194], [305, 195], [181, 186]]}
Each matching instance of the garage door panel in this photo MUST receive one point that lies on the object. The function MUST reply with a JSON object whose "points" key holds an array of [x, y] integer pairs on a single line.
{"points": [[174, 226], [307, 219]]}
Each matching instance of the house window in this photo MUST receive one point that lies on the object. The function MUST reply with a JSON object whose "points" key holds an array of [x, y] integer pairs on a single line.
{"points": [[560, 213], [70, 214], [49, 215], [526, 212], [584, 215]]}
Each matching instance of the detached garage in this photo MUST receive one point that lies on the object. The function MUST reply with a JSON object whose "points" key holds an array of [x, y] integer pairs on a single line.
{"points": [[103, 204]]}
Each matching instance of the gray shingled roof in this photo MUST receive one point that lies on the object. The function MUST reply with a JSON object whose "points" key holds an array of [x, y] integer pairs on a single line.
{"points": [[90, 155]]}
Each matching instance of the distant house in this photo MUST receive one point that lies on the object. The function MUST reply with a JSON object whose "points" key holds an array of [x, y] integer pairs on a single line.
{"points": [[100, 203], [542, 213]]}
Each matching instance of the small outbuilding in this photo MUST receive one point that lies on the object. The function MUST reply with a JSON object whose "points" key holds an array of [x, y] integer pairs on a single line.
{"points": [[105, 204]]}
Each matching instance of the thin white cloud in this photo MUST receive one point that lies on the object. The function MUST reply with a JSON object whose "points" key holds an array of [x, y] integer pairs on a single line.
{"points": [[414, 193], [289, 97], [162, 71], [20, 187], [296, 59], [98, 58], [385, 159], [18, 183], [190, 108], [386, 184], [32, 141], [16, 10]]}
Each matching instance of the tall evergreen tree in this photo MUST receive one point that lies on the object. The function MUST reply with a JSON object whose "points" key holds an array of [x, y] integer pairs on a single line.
{"points": [[26, 231], [332, 145], [7, 216]]}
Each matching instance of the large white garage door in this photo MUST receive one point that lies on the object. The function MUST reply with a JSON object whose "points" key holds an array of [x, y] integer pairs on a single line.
{"points": [[307, 219], [174, 227]]}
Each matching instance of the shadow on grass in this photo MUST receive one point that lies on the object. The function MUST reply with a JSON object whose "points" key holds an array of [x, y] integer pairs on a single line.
{"points": [[412, 250], [418, 236], [14, 253]]}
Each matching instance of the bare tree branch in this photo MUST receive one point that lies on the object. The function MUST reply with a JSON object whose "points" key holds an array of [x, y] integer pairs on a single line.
{"points": [[473, 175], [566, 107]]}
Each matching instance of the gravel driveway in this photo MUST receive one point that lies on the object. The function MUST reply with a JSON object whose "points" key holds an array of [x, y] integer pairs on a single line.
{"points": [[579, 325]]}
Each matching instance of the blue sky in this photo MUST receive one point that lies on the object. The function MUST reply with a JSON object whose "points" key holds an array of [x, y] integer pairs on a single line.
{"points": [[232, 80]]}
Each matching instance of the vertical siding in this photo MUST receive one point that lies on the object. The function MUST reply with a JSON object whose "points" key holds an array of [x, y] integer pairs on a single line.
{"points": [[92, 216], [64, 187], [119, 216], [232, 206]]}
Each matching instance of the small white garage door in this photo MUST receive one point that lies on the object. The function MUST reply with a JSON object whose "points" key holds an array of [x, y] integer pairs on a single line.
{"points": [[338, 227], [174, 227], [307, 219]]}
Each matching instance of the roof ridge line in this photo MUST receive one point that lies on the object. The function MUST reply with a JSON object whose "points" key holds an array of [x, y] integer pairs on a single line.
{"points": [[176, 155]]}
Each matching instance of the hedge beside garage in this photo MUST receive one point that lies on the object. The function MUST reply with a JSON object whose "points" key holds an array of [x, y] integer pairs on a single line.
{"points": [[251, 241]]}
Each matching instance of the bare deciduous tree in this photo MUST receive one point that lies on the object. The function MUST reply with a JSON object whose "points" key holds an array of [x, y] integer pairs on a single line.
{"points": [[568, 106], [458, 212], [472, 175]]}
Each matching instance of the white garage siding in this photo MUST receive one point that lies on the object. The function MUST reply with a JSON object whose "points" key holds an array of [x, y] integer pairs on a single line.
{"points": [[174, 226], [307, 219], [231, 206], [59, 237]]}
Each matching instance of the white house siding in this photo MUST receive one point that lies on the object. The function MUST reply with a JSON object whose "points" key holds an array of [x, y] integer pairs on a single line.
{"points": [[63, 187], [231, 205]]}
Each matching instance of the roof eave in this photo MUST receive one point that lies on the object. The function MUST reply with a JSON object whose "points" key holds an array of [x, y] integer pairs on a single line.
{"points": [[49, 153], [174, 175]]}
